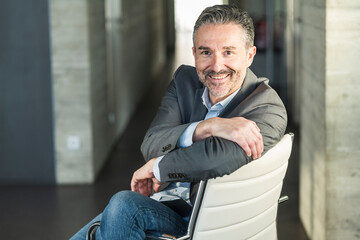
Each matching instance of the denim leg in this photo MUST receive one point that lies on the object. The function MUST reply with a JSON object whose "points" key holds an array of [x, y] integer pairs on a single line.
{"points": [[130, 215]]}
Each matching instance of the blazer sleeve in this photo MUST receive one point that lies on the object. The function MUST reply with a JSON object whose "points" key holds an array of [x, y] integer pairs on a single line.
{"points": [[214, 156]]}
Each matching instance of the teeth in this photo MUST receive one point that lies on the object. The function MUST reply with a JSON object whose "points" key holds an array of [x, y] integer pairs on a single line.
{"points": [[219, 77]]}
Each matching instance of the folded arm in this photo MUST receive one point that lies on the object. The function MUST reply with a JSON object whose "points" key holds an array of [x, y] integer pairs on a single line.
{"points": [[240, 130], [221, 145]]}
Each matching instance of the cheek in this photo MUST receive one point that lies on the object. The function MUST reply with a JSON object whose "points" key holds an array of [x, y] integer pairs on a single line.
{"points": [[199, 66], [237, 65], [202, 63]]}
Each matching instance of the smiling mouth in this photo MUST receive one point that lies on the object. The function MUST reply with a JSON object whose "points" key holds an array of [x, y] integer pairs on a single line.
{"points": [[219, 77]]}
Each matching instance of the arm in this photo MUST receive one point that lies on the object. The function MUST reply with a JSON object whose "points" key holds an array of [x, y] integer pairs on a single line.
{"points": [[172, 119], [210, 156], [242, 131], [213, 156]]}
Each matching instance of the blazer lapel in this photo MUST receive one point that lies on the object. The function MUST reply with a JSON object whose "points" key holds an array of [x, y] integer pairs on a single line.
{"points": [[248, 86], [199, 110]]}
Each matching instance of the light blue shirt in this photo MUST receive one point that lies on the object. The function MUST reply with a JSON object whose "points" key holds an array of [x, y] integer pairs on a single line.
{"points": [[182, 189]]}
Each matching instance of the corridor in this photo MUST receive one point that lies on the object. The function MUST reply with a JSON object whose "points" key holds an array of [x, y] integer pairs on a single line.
{"points": [[57, 212], [80, 82]]}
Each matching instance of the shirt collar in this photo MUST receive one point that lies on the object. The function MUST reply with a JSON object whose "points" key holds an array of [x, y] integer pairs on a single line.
{"points": [[222, 104]]}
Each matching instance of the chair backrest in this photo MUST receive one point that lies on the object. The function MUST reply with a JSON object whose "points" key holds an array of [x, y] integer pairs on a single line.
{"points": [[243, 205]]}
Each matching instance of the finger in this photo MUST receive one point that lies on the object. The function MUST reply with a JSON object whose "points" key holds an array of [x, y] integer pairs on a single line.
{"points": [[258, 155], [156, 184], [133, 184], [261, 145], [246, 148], [256, 126], [156, 187], [257, 147], [133, 187], [254, 152], [146, 188], [149, 187], [140, 187], [255, 130], [258, 144]]}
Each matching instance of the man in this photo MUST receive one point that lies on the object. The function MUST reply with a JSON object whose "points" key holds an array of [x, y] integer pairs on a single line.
{"points": [[212, 120]]}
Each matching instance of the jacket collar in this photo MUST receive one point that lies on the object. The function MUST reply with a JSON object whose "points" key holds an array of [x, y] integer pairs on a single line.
{"points": [[250, 83], [199, 110]]}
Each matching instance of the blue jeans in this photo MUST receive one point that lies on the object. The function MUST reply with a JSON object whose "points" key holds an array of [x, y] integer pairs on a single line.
{"points": [[130, 215]]}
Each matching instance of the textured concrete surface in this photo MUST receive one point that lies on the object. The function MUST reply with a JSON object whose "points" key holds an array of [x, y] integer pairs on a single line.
{"points": [[330, 111], [104, 56]]}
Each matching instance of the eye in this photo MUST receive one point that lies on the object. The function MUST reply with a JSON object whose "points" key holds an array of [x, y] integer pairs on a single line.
{"points": [[206, 53], [228, 53]]}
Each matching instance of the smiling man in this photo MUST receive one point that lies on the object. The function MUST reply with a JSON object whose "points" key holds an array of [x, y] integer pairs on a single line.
{"points": [[213, 119], [221, 58]]}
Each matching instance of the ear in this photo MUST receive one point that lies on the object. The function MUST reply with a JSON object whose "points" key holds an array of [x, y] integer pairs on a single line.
{"points": [[193, 51], [250, 55]]}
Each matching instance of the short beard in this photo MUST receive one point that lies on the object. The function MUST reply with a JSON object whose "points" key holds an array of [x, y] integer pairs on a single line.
{"points": [[209, 73]]}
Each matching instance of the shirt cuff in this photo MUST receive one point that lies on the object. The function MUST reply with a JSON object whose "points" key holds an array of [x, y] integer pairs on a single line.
{"points": [[156, 169], [186, 139]]}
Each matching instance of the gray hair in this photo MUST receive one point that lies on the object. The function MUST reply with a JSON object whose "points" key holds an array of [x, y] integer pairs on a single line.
{"points": [[224, 14]]}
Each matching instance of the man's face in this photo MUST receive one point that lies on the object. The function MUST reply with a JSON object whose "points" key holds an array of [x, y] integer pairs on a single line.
{"points": [[221, 58]]}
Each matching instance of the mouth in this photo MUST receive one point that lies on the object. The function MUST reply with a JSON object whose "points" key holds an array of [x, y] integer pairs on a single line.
{"points": [[219, 77]]}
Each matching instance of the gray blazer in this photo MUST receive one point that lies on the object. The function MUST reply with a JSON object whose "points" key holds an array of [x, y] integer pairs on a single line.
{"points": [[214, 156]]}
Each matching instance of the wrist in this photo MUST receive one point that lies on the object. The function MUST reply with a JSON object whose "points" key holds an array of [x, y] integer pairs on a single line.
{"points": [[204, 129], [150, 164]]}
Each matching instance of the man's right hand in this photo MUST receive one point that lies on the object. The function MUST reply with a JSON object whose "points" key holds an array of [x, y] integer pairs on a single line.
{"points": [[143, 180], [240, 130]]}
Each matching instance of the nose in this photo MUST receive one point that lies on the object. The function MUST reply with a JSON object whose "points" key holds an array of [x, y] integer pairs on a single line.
{"points": [[217, 63]]}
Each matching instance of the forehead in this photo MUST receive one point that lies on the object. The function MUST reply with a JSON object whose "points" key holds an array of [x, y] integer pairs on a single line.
{"points": [[220, 34]]}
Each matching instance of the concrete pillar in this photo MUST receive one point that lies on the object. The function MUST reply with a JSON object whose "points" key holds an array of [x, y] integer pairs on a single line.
{"points": [[80, 103], [105, 53], [330, 113], [342, 119]]}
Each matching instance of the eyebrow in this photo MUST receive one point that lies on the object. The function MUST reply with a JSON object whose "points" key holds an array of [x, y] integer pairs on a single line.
{"points": [[229, 48], [203, 48], [225, 48]]}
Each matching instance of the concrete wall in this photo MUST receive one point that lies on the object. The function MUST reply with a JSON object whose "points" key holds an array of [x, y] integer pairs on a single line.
{"points": [[136, 52], [342, 119], [105, 53], [313, 118], [74, 40], [329, 113]]}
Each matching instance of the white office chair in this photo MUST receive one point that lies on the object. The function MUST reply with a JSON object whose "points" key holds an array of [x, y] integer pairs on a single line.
{"points": [[242, 205]]}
